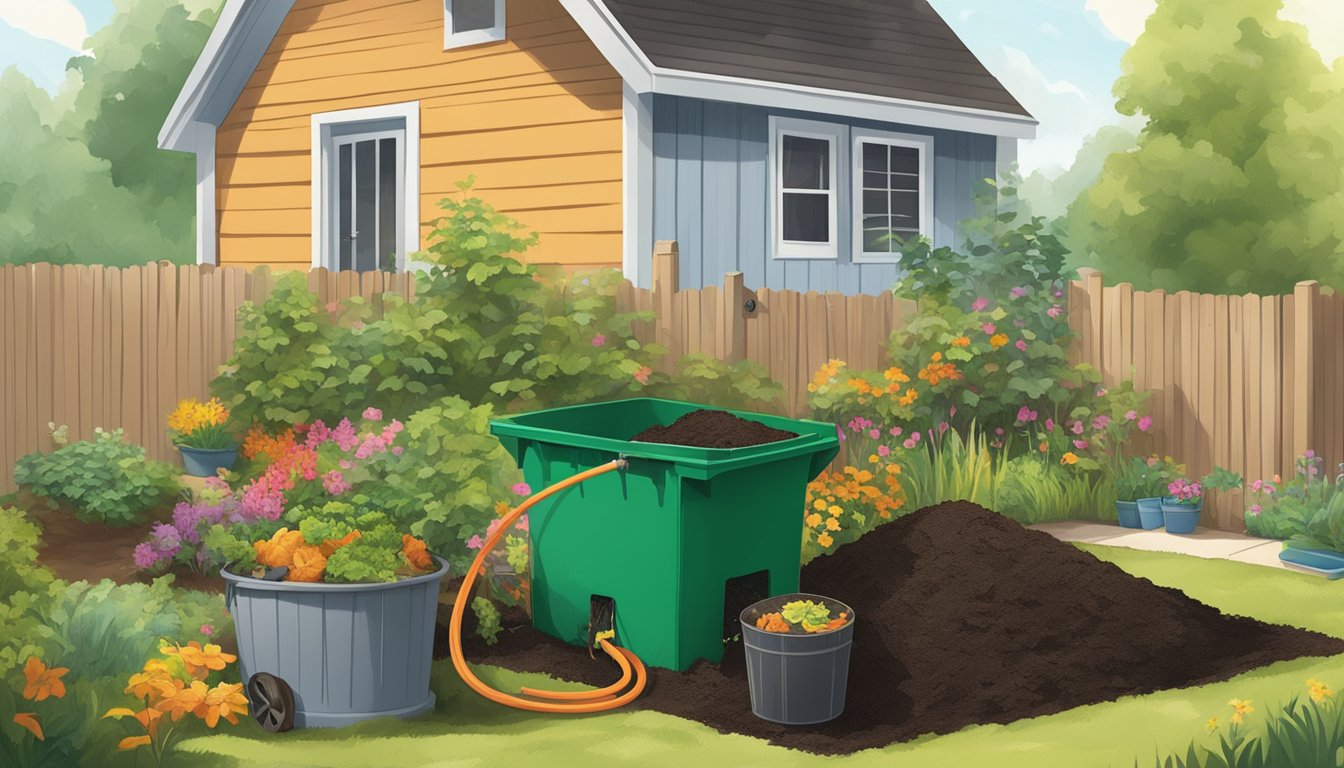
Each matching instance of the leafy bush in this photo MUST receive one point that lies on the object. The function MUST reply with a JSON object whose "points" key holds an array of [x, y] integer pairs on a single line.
{"points": [[1325, 529], [102, 480], [19, 541], [1281, 510], [1303, 734], [702, 378], [1141, 478]]}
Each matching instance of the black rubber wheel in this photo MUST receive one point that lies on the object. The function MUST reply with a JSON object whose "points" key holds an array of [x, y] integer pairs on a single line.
{"points": [[272, 702]]}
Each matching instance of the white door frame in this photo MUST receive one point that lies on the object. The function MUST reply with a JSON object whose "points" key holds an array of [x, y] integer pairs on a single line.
{"points": [[335, 234], [324, 252]]}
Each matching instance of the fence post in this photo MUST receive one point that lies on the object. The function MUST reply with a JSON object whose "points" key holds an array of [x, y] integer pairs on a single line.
{"points": [[1306, 296], [732, 319], [665, 285]]}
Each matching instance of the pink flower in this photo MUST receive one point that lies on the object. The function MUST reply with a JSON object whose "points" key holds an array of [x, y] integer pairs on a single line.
{"points": [[1101, 392], [397, 450], [952, 411], [1025, 415], [346, 464], [1017, 292], [1255, 509], [989, 329], [1049, 425], [910, 442], [1145, 423], [894, 431], [875, 433], [370, 445], [1080, 444], [1101, 422], [1058, 293], [207, 629], [1131, 415], [522, 489], [883, 451], [1021, 345], [859, 424], [599, 340], [318, 433], [642, 375], [840, 433], [521, 524], [914, 436], [344, 436], [1077, 427], [980, 304], [942, 427], [475, 542], [999, 431], [373, 414], [335, 483], [1055, 311]]}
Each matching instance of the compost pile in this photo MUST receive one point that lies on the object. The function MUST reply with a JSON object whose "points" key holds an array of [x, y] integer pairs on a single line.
{"points": [[963, 617], [712, 429]]}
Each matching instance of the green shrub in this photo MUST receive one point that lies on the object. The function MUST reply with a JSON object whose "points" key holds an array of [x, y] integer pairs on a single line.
{"points": [[1303, 734], [103, 480], [702, 378], [19, 541], [1031, 491], [487, 619], [1282, 509]]}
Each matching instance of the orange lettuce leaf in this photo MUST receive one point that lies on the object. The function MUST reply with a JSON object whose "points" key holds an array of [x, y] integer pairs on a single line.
{"points": [[416, 552], [330, 546], [308, 565]]}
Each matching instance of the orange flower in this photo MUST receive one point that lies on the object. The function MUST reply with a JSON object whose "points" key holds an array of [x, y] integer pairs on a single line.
{"points": [[183, 699], [132, 742], [1069, 458], [961, 341], [998, 340], [909, 397], [29, 720], [416, 553], [42, 681], [279, 551], [258, 443], [200, 661], [225, 700], [936, 356], [812, 520], [309, 565], [825, 539], [772, 622], [895, 375], [330, 546], [832, 524]]}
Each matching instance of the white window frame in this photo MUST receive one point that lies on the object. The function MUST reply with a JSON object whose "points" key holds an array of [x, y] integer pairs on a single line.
{"points": [[913, 141], [835, 135], [473, 36], [324, 251]]}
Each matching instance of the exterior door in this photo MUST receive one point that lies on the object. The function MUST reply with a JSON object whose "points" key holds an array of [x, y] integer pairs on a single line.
{"points": [[367, 200]]}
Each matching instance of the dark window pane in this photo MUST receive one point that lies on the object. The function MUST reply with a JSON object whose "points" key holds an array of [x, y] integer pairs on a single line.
{"points": [[874, 157], [874, 202], [807, 163], [345, 207], [807, 218], [905, 204], [875, 232], [873, 180], [904, 181], [904, 160], [366, 185], [473, 14], [388, 190]]}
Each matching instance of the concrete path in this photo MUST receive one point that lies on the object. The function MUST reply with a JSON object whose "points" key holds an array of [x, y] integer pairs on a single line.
{"points": [[1204, 542]]}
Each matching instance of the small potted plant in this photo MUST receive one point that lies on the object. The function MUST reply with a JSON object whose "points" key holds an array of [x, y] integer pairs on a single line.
{"points": [[797, 650], [1320, 546], [1139, 485], [1185, 499], [200, 432]]}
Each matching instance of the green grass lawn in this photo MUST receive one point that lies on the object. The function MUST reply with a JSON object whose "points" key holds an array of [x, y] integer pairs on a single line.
{"points": [[465, 730]]}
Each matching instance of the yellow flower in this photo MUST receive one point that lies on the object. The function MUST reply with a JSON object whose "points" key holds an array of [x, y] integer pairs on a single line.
{"points": [[1241, 708], [1068, 458], [819, 504], [1319, 691], [832, 524], [152, 682], [200, 661], [813, 520], [1212, 724], [909, 397], [225, 700], [835, 511], [895, 375], [825, 539], [998, 340], [872, 458], [190, 415], [42, 681]]}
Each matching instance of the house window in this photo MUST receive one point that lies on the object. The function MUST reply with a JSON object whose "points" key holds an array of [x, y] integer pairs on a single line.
{"points": [[893, 194], [805, 183], [471, 22]]}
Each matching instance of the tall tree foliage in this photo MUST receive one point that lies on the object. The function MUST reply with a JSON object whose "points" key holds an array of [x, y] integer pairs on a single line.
{"points": [[89, 184], [1236, 183]]}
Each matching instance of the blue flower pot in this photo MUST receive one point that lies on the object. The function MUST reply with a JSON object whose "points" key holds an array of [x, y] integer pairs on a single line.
{"points": [[1180, 518], [1127, 513], [1150, 513], [206, 462]]}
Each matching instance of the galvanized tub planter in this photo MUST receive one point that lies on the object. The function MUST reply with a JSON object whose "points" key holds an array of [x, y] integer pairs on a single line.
{"points": [[318, 655], [797, 679]]}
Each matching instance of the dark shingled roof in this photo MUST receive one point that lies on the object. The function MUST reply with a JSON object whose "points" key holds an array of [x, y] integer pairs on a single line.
{"points": [[894, 48]]}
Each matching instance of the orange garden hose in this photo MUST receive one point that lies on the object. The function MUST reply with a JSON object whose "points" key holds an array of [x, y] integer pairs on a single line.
{"points": [[575, 702]]}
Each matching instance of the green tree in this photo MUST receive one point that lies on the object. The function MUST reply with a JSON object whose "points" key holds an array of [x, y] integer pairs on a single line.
{"points": [[1236, 183]]}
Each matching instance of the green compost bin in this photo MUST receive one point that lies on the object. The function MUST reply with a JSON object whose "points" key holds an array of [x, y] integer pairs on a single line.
{"points": [[663, 538]]}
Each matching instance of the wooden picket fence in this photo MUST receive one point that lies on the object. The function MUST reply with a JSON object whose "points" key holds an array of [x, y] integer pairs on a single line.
{"points": [[88, 346]]}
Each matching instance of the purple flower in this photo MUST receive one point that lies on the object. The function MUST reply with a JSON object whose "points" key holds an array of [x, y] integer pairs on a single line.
{"points": [[1058, 293], [1021, 345], [372, 414], [1145, 423], [1025, 415], [599, 340], [1255, 509], [522, 489], [165, 538], [980, 304], [145, 556], [840, 433]]}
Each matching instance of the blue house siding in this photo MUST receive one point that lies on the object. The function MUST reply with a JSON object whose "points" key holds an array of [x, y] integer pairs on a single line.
{"points": [[709, 194]]}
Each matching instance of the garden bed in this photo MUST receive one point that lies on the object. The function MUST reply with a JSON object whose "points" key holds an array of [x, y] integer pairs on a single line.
{"points": [[964, 617]]}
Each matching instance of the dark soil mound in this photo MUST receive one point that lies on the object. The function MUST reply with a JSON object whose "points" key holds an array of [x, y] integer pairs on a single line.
{"points": [[964, 617], [712, 429]]}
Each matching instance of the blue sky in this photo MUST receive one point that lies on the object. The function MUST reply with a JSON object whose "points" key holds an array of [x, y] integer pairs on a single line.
{"points": [[1059, 57]]}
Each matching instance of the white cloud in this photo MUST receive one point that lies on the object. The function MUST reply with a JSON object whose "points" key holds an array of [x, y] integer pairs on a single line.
{"points": [[1125, 18], [1020, 61], [1049, 29], [55, 20], [1324, 20]]}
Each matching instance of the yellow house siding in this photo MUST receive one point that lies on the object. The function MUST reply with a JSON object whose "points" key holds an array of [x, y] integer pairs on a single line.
{"points": [[536, 118]]}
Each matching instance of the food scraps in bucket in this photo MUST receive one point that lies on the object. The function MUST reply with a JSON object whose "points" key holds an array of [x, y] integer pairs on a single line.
{"points": [[801, 617]]}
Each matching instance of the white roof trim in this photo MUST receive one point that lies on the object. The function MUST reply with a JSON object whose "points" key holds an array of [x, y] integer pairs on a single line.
{"points": [[639, 71]]}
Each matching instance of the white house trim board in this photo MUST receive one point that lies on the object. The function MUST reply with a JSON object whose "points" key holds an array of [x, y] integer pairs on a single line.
{"points": [[453, 39], [836, 136], [321, 130], [207, 235], [636, 184], [612, 42], [926, 181]]}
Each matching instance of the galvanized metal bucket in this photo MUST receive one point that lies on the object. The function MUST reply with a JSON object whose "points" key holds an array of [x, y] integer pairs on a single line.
{"points": [[349, 652], [797, 679]]}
